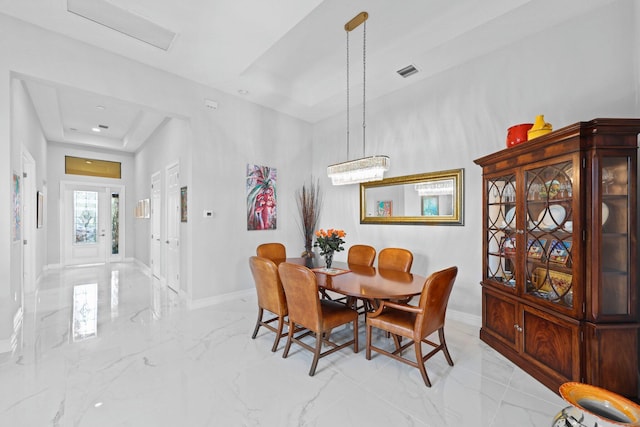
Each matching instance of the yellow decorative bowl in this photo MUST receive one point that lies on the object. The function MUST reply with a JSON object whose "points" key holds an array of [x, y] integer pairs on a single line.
{"points": [[534, 133]]}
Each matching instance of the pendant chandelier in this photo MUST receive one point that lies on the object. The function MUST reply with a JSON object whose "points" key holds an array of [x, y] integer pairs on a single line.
{"points": [[367, 168]]}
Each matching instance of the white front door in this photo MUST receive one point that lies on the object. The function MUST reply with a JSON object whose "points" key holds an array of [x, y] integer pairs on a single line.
{"points": [[156, 224], [173, 227], [92, 229]]}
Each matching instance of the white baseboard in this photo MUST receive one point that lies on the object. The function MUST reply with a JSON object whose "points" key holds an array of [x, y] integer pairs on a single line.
{"points": [[459, 316], [144, 267], [206, 302], [469, 319]]}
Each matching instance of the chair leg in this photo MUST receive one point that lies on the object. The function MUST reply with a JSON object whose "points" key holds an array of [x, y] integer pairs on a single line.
{"points": [[289, 339], [355, 335], [420, 362], [444, 346], [368, 349], [316, 354], [255, 331], [397, 342], [278, 333]]}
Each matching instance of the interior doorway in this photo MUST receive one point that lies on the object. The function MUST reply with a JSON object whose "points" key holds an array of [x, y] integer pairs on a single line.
{"points": [[173, 226], [157, 269]]}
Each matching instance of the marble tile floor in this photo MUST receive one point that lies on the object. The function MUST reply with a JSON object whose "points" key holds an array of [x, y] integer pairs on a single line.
{"points": [[109, 346]]}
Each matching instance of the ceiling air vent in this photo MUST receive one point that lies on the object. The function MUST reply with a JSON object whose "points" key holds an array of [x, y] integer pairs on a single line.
{"points": [[408, 71], [103, 127], [123, 21]]}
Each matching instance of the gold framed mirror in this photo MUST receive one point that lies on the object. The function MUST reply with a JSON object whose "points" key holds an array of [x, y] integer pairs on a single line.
{"points": [[434, 198]]}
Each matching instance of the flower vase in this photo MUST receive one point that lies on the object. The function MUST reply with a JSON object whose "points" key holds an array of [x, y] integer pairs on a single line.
{"points": [[328, 258]]}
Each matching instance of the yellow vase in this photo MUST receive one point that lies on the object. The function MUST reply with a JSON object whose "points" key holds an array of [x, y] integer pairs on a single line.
{"points": [[539, 128]]}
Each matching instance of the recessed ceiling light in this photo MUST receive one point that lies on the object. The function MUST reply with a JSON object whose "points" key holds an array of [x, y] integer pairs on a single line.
{"points": [[95, 129], [100, 107], [243, 91]]}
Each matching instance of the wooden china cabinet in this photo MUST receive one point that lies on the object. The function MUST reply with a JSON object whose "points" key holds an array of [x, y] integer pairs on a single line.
{"points": [[559, 244]]}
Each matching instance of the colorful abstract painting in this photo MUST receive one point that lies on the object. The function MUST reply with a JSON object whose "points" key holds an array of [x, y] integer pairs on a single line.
{"points": [[261, 197], [17, 203]]}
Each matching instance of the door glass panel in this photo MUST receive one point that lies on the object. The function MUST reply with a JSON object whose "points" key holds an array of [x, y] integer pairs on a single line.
{"points": [[549, 233], [501, 227], [615, 235], [115, 223], [85, 217]]}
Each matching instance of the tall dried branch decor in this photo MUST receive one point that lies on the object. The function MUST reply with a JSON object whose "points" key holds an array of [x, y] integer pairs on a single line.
{"points": [[309, 199]]}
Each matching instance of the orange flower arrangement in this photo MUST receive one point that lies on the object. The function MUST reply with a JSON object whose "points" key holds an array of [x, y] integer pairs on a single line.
{"points": [[329, 241]]}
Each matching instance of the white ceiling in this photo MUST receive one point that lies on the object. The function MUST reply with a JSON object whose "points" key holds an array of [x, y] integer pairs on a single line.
{"points": [[290, 55]]}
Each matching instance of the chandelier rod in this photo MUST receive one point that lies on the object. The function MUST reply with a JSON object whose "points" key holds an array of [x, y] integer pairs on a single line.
{"points": [[350, 26], [364, 86]]}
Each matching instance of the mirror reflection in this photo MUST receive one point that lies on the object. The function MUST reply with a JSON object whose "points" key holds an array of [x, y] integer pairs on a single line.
{"points": [[430, 198]]}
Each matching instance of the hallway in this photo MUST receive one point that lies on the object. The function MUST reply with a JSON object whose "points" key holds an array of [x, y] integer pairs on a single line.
{"points": [[133, 355]]}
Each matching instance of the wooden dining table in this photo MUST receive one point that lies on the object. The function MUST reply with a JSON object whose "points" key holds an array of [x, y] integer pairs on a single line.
{"points": [[365, 283]]}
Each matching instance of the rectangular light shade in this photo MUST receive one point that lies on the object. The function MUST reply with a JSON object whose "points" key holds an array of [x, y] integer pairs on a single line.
{"points": [[360, 170], [123, 21]]}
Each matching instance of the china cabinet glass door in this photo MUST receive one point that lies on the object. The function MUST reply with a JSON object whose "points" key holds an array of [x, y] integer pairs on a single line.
{"points": [[615, 223], [501, 231], [549, 233]]}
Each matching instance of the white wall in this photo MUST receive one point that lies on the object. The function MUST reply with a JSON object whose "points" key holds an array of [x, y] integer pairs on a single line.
{"points": [[25, 129], [25, 135], [582, 69]]}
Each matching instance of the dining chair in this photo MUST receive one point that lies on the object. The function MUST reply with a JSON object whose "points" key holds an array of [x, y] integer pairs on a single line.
{"points": [[415, 323], [319, 316], [395, 259], [271, 296], [272, 251], [361, 255]]}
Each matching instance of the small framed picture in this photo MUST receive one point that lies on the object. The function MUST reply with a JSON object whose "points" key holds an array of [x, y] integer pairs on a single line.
{"points": [[535, 248], [183, 204], [40, 210], [430, 206], [559, 251], [385, 208]]}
